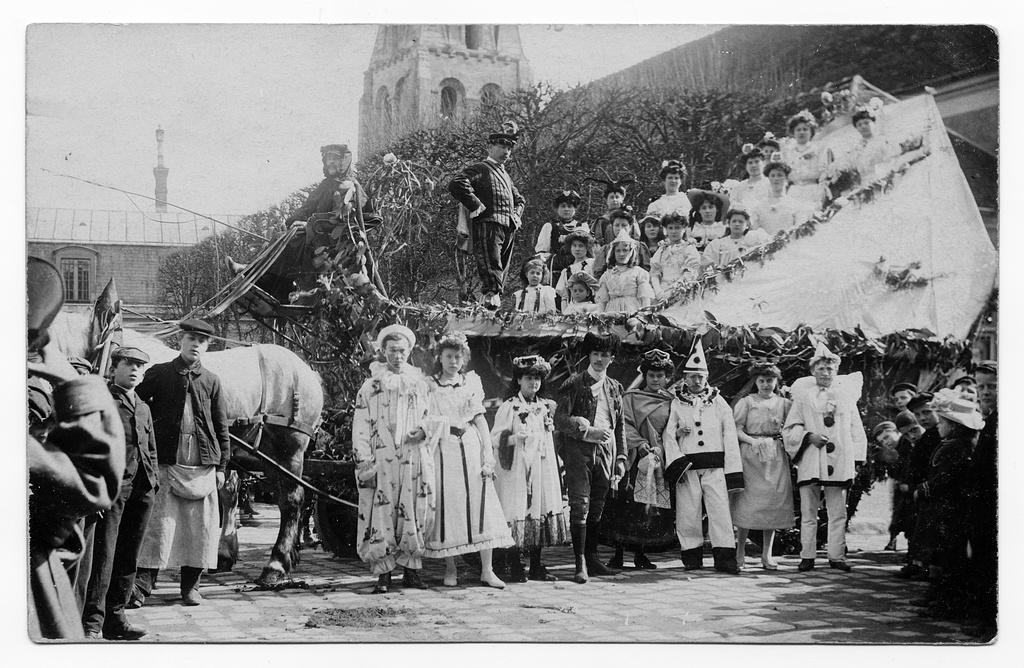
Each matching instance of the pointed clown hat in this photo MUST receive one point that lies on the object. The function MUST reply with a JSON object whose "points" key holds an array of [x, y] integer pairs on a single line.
{"points": [[622, 238], [697, 362], [821, 352]]}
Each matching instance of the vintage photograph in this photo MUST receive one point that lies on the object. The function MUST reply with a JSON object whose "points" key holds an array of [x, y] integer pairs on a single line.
{"points": [[512, 333]]}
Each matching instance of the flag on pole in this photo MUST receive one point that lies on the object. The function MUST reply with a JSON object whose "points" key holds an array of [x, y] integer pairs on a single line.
{"points": [[106, 328]]}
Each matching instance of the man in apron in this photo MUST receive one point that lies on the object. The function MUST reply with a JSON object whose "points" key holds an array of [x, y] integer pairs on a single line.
{"points": [[191, 426]]}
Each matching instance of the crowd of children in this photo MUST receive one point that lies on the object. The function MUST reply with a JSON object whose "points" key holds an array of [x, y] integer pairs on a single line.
{"points": [[685, 234]]}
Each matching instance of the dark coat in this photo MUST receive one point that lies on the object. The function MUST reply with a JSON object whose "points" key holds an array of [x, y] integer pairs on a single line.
{"points": [[921, 457], [164, 390], [983, 481], [320, 203], [139, 437], [942, 504], [486, 183], [576, 400]]}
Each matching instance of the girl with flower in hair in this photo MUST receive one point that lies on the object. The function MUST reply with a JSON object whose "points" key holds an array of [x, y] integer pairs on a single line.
{"points": [[755, 187], [578, 244], [766, 503], [469, 516], [801, 153], [623, 220], [528, 482], [625, 287], [674, 200]]}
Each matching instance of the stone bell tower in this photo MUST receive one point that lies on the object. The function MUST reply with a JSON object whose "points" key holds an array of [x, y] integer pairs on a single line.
{"points": [[422, 74]]}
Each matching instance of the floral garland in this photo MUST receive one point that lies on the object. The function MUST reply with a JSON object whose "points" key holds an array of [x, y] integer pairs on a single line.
{"points": [[901, 278], [685, 292]]}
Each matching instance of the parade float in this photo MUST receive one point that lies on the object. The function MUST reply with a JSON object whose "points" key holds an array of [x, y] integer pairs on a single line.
{"points": [[894, 274]]}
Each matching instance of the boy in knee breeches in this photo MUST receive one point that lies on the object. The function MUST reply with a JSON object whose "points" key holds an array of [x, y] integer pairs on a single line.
{"points": [[589, 418]]}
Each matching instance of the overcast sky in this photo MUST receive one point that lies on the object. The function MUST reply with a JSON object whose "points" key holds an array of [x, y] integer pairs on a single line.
{"points": [[245, 108]]}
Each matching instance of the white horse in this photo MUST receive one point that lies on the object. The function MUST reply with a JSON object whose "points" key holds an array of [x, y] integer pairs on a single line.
{"points": [[272, 395]]}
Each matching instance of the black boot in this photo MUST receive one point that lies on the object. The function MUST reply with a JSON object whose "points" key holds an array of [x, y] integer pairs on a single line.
{"points": [[411, 579], [616, 561], [537, 569], [383, 583], [693, 559], [725, 560], [190, 585], [516, 572], [641, 561], [579, 539], [594, 565]]}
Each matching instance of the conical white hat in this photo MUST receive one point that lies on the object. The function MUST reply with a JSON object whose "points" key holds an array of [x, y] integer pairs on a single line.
{"points": [[697, 362]]}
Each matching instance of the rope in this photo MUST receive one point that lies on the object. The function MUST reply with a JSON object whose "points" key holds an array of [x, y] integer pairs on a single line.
{"points": [[174, 324], [153, 199], [319, 492]]}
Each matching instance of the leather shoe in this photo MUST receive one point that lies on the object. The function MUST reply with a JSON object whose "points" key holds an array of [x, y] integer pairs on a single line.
{"points": [[192, 597], [93, 635], [595, 567], [805, 565], [840, 566], [127, 632], [411, 580], [383, 582], [641, 561]]}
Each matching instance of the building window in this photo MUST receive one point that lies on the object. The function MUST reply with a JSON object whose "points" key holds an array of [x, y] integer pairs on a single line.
{"points": [[384, 107], [453, 98], [490, 94], [77, 274], [474, 35]]}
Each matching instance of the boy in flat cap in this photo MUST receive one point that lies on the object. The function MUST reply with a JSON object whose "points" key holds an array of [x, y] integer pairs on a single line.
{"points": [[494, 206], [119, 531], [916, 472], [191, 426]]}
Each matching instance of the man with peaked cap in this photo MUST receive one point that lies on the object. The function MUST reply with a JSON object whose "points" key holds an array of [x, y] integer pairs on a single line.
{"points": [[593, 451], [701, 432], [75, 462], [120, 530], [825, 440], [494, 207], [193, 449], [300, 262]]}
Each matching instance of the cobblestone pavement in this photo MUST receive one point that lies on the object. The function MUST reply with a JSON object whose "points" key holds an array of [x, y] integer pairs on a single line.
{"points": [[329, 600]]}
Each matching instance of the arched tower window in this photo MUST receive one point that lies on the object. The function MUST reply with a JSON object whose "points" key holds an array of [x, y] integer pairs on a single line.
{"points": [[474, 36], [453, 98], [490, 94], [399, 100], [383, 106]]}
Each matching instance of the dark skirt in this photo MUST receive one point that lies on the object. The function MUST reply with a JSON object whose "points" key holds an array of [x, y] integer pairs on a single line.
{"points": [[630, 525], [904, 513], [940, 538]]}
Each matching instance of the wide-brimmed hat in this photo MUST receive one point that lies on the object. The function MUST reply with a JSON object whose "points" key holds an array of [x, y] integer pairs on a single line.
{"points": [[951, 405], [399, 330], [578, 235], [697, 195]]}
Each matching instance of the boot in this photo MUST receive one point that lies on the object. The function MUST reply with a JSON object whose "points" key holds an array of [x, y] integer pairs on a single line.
{"points": [[693, 559], [383, 582], [190, 585], [594, 565], [616, 561], [725, 560], [516, 573], [537, 569], [579, 539], [411, 579]]}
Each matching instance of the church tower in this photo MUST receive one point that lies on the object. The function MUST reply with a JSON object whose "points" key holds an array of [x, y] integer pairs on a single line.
{"points": [[422, 74]]}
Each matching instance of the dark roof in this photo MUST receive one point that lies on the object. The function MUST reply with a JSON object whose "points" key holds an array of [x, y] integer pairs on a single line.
{"points": [[793, 58]]}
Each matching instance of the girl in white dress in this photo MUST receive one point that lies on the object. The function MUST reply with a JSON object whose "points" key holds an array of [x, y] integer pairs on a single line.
{"points": [[755, 187], [673, 201], [709, 209], [536, 296], [625, 287], [581, 288], [578, 244], [780, 210], [676, 261], [740, 240], [468, 516], [802, 155], [528, 482]]}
